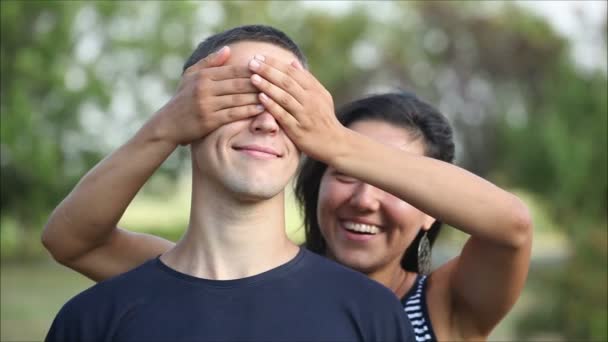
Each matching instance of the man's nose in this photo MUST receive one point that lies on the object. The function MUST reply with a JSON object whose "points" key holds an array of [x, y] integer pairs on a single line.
{"points": [[264, 123], [365, 198]]}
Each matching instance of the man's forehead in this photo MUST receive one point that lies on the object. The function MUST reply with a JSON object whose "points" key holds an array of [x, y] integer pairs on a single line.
{"points": [[242, 52]]}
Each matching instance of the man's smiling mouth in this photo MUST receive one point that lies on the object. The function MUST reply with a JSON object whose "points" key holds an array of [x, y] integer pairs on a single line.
{"points": [[258, 151]]}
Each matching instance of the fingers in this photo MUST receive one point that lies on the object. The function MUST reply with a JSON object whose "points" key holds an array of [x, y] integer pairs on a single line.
{"points": [[234, 100], [276, 77], [214, 68], [282, 74], [238, 113], [278, 95], [234, 86], [228, 71], [213, 60], [286, 120]]}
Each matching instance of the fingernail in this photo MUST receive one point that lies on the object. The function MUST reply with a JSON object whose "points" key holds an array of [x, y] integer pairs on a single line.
{"points": [[259, 58], [256, 79], [259, 108], [254, 64], [296, 63], [263, 97]]}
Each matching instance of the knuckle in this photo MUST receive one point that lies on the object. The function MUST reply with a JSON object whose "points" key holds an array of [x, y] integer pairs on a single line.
{"points": [[238, 84], [283, 101], [285, 82], [291, 70], [239, 98], [230, 114], [237, 71]]}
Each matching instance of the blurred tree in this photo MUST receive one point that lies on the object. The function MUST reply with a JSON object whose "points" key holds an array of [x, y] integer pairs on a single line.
{"points": [[78, 78], [560, 153], [65, 64], [35, 107]]}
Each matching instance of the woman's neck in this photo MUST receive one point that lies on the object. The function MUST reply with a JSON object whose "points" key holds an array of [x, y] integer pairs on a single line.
{"points": [[395, 278]]}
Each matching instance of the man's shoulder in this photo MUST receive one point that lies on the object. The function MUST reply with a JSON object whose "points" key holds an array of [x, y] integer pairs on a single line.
{"points": [[109, 291], [331, 274], [96, 311], [379, 312]]}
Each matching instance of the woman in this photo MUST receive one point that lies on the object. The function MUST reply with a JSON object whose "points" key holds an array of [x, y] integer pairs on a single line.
{"points": [[388, 234], [374, 203]]}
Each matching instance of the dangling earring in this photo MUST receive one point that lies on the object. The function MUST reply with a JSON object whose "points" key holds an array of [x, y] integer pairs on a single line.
{"points": [[424, 255]]}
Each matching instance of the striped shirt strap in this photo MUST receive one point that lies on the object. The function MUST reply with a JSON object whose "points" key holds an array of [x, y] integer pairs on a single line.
{"points": [[414, 306]]}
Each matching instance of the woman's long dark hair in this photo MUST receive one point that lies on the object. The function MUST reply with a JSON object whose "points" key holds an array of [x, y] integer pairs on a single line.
{"points": [[401, 109]]}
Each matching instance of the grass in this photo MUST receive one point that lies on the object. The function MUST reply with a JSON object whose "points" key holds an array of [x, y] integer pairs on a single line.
{"points": [[31, 296]]}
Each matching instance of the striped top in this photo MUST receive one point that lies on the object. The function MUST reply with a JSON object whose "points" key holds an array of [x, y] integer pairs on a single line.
{"points": [[414, 305]]}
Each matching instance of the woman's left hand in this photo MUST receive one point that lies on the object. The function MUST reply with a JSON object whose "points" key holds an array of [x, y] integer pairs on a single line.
{"points": [[301, 105]]}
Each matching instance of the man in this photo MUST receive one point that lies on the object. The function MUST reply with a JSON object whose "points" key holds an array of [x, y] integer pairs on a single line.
{"points": [[234, 275]]}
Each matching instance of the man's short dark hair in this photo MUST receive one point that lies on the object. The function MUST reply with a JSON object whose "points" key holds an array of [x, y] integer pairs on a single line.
{"points": [[254, 33]]}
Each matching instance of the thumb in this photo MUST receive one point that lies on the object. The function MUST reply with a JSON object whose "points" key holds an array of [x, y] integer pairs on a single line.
{"points": [[215, 59]]}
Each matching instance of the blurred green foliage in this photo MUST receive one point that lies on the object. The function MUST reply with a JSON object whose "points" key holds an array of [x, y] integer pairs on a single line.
{"points": [[562, 155], [78, 78]]}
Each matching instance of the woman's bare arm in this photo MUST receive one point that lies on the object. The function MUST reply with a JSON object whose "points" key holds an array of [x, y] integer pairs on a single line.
{"points": [[81, 233], [480, 286]]}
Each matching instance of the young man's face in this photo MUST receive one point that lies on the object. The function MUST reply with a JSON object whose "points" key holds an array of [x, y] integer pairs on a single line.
{"points": [[251, 158]]}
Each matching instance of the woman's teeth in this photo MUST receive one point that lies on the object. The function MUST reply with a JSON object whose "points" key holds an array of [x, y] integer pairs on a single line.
{"points": [[361, 227]]}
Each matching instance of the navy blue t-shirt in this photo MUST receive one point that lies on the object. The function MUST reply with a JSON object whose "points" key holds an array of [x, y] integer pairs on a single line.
{"points": [[309, 298]]}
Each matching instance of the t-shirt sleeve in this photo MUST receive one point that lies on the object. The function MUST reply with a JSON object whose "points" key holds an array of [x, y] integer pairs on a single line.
{"points": [[67, 326], [80, 319]]}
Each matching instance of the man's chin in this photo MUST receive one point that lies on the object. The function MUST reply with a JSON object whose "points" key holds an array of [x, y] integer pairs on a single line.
{"points": [[252, 193], [254, 197]]}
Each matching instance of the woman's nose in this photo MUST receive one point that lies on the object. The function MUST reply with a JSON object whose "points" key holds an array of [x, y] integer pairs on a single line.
{"points": [[365, 198]]}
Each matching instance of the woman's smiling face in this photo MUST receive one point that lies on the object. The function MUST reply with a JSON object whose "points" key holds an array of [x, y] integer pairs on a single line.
{"points": [[366, 228]]}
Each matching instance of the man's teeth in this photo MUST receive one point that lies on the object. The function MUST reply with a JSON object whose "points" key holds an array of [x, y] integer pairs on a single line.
{"points": [[362, 228]]}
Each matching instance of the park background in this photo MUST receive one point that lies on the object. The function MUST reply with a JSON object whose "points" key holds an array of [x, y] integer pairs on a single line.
{"points": [[523, 83]]}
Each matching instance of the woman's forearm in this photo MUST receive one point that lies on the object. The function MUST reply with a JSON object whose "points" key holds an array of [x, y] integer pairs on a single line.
{"points": [[441, 190], [89, 214]]}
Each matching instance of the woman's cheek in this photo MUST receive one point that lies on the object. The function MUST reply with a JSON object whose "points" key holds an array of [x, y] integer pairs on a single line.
{"points": [[400, 211]]}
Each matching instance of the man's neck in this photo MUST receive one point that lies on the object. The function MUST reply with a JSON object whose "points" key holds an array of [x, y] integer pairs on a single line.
{"points": [[228, 238]]}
